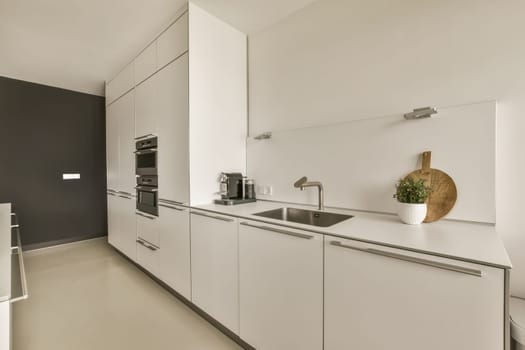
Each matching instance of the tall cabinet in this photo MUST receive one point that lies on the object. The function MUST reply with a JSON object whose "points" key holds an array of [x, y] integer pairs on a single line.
{"points": [[187, 87]]}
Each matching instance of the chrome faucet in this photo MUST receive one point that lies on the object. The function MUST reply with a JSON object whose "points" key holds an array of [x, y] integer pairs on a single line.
{"points": [[303, 182]]}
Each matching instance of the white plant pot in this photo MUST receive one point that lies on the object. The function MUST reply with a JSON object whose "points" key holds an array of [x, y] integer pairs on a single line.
{"points": [[412, 214]]}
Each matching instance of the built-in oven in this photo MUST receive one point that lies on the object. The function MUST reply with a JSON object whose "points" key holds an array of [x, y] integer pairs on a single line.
{"points": [[147, 194], [146, 156]]}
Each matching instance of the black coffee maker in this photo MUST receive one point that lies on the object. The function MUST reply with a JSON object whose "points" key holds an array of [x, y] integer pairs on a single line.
{"points": [[234, 189]]}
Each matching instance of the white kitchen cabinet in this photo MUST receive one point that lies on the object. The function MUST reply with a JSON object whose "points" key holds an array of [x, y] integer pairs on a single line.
{"points": [[5, 325], [173, 42], [112, 148], [124, 111], [173, 131], [214, 265], [146, 63], [281, 287], [148, 228], [122, 231], [113, 215], [148, 256], [174, 229], [146, 107], [127, 226], [383, 298], [148, 243], [120, 84]]}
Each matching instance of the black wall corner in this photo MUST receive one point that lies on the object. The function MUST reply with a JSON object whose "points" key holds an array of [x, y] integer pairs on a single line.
{"points": [[45, 132]]}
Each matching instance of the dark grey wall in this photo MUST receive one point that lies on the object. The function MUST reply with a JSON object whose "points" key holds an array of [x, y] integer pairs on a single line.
{"points": [[45, 131]]}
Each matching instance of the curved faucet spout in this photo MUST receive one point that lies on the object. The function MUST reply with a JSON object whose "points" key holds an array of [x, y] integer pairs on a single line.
{"points": [[303, 182]]}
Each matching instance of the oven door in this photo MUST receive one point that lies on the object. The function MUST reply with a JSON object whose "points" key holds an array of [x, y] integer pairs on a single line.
{"points": [[147, 200], [146, 161]]}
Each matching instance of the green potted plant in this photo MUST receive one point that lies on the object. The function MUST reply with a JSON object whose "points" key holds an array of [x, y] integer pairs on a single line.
{"points": [[411, 195]]}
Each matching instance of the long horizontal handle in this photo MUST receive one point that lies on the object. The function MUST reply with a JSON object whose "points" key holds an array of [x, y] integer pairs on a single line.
{"points": [[149, 246], [126, 197], [22, 292], [170, 207], [146, 151], [169, 201], [145, 216], [144, 137], [112, 194], [124, 193], [212, 216], [146, 188], [284, 232], [439, 265]]}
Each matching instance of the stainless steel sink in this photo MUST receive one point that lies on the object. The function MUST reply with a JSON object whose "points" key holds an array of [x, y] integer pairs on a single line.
{"points": [[303, 216]]}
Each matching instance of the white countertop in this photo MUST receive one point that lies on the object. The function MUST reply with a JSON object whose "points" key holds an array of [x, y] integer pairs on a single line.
{"points": [[5, 251], [473, 242]]}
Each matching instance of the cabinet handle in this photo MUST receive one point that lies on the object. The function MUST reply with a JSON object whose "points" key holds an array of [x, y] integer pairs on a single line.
{"points": [[212, 216], [15, 226], [284, 232], [13, 214], [169, 201], [145, 216], [439, 265], [111, 190], [143, 243], [126, 197], [171, 207], [124, 193], [143, 137], [111, 194]]}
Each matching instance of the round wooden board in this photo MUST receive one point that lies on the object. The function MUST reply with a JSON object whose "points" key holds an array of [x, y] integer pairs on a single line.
{"points": [[443, 195]]}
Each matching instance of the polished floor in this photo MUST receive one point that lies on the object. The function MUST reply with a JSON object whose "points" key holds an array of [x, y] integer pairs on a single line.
{"points": [[86, 296]]}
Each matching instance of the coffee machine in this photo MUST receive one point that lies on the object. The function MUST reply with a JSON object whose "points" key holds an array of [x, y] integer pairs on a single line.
{"points": [[235, 189]]}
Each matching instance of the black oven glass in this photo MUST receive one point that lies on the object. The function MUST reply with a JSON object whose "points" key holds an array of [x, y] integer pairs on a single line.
{"points": [[147, 160], [147, 198]]}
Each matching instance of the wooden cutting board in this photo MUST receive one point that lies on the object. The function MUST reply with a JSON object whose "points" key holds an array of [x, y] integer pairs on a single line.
{"points": [[443, 195]]}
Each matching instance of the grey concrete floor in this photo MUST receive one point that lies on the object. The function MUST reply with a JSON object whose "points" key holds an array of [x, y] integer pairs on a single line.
{"points": [[86, 296]]}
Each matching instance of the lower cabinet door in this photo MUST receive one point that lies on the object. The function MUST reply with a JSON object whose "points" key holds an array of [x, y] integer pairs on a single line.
{"points": [[148, 256], [215, 267], [127, 227], [281, 287], [174, 229], [5, 325], [113, 219], [148, 228], [380, 298]]}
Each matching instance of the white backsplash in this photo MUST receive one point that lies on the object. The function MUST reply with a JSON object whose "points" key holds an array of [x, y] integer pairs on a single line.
{"points": [[360, 161]]}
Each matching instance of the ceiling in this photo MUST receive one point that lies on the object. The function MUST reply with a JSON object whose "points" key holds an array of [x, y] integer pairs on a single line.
{"points": [[78, 44]]}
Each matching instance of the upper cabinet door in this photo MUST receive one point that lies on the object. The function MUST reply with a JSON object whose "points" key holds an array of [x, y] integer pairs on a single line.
{"points": [[146, 63], [173, 130], [146, 107], [382, 298], [173, 42], [125, 110], [121, 84], [112, 147]]}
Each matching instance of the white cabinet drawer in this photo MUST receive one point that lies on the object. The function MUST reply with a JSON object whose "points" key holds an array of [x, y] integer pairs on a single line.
{"points": [[148, 228], [173, 42], [146, 63], [148, 256], [383, 298]]}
